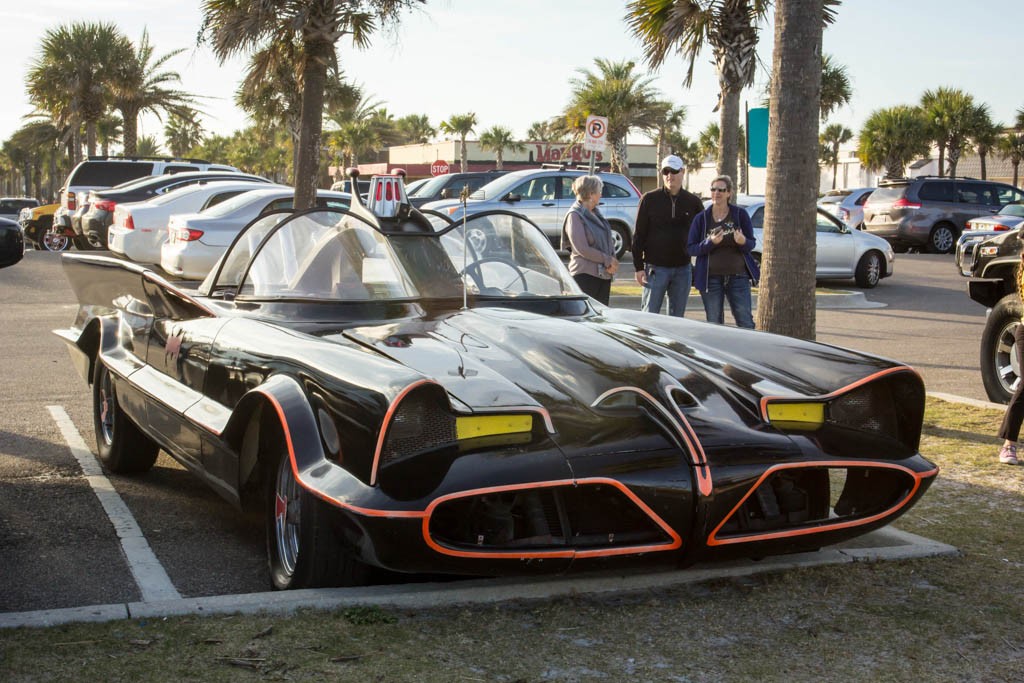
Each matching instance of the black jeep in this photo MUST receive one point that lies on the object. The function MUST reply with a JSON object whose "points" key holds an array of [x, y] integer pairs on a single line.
{"points": [[993, 270]]}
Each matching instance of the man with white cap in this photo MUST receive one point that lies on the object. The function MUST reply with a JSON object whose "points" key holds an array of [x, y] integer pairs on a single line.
{"points": [[660, 257]]}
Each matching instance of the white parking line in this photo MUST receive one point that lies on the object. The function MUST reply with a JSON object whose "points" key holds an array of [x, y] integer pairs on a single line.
{"points": [[152, 580]]}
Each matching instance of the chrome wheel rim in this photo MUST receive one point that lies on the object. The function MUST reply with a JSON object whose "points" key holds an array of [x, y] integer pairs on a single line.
{"points": [[1007, 368], [286, 516], [874, 270], [55, 242], [943, 239]]}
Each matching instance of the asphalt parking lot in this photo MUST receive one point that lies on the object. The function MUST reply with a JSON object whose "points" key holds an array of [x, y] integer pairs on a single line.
{"points": [[61, 550]]}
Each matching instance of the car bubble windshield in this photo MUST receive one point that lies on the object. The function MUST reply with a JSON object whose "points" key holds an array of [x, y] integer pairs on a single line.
{"points": [[503, 255]]}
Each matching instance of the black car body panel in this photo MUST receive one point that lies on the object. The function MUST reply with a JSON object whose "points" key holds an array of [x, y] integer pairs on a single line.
{"points": [[469, 430]]}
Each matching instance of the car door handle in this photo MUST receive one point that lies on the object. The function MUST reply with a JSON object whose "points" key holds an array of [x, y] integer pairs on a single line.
{"points": [[547, 203]]}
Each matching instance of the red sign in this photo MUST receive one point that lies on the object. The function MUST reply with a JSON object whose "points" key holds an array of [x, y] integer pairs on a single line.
{"points": [[439, 167]]}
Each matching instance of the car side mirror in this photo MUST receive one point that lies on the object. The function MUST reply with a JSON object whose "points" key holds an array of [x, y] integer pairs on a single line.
{"points": [[512, 197]]}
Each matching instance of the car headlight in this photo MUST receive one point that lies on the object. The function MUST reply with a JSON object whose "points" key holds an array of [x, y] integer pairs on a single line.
{"points": [[801, 417], [989, 251]]}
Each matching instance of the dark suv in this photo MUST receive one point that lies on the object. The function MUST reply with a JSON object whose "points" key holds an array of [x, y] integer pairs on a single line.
{"points": [[992, 268], [931, 212], [449, 185]]}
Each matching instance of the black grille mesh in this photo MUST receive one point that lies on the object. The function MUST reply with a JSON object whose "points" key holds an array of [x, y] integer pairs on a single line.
{"points": [[869, 408], [420, 424]]}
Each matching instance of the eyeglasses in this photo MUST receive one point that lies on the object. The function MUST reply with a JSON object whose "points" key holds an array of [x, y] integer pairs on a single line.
{"points": [[719, 189], [669, 171]]}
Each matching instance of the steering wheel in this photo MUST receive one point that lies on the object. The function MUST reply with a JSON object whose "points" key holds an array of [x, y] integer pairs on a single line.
{"points": [[473, 270]]}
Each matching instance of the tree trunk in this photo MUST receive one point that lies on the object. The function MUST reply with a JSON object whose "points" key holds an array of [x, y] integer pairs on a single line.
{"points": [[620, 156], [307, 159], [1016, 164], [835, 166], [954, 160], [786, 302], [942, 160], [729, 125], [462, 154], [984, 171], [499, 159], [90, 137], [130, 126]]}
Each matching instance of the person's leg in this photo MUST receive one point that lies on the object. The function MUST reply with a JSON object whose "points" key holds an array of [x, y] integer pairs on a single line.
{"points": [[737, 290], [590, 285], [657, 285], [1009, 430], [604, 291], [679, 291], [714, 301]]}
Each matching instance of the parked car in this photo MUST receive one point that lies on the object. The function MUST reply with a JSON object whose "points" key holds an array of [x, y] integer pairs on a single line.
{"points": [[992, 266], [101, 172], [389, 399], [847, 205], [36, 222], [931, 212], [414, 185], [139, 229], [12, 243], [841, 252], [981, 228], [346, 186], [544, 196], [96, 221], [449, 186], [196, 240], [11, 207]]}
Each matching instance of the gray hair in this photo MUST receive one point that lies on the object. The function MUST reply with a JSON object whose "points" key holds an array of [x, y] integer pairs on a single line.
{"points": [[586, 185], [725, 179]]}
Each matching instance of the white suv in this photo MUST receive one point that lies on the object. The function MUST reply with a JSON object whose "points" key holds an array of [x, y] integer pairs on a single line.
{"points": [[544, 197]]}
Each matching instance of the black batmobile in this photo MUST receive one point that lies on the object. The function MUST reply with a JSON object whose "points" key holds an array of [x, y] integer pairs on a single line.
{"points": [[392, 397]]}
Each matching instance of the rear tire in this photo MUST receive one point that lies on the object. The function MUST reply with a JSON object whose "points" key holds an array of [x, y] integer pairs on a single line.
{"points": [[54, 242], [942, 239], [998, 355], [303, 550], [869, 270], [621, 241], [121, 446]]}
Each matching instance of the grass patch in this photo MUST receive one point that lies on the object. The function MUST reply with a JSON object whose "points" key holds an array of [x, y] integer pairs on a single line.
{"points": [[940, 619]]}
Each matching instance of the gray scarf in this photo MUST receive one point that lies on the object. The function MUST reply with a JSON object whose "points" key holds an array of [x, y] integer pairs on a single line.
{"points": [[599, 232]]}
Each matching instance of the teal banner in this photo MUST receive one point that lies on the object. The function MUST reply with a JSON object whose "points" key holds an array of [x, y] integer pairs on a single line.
{"points": [[757, 137]]}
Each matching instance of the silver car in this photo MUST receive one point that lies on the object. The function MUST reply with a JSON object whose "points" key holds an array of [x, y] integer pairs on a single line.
{"points": [[544, 196], [842, 253], [847, 205], [980, 228]]}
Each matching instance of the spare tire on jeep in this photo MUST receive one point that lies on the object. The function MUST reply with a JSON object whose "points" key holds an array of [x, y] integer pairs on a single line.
{"points": [[1000, 372]]}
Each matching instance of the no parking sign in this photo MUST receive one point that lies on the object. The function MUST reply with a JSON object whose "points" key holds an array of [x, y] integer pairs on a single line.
{"points": [[597, 133]]}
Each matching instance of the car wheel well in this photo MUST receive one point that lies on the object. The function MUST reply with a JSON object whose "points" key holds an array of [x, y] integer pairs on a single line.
{"points": [[249, 435]]}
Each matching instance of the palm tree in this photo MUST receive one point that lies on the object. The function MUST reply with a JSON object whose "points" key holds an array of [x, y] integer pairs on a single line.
{"points": [[985, 138], [686, 27], [70, 78], [183, 132], [953, 118], [415, 129], [785, 303], [140, 85], [1019, 125], [460, 125], [547, 131], [892, 138], [831, 138], [355, 139], [625, 97], [671, 123], [352, 127], [688, 150], [148, 146], [1011, 146], [835, 86], [316, 26], [108, 131], [498, 139], [707, 140]]}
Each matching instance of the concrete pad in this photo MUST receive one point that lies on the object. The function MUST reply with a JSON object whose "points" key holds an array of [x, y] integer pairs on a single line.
{"points": [[884, 544]]}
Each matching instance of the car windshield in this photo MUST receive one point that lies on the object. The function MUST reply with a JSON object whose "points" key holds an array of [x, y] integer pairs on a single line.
{"points": [[832, 199], [429, 188], [331, 255], [1013, 210], [498, 187], [229, 206]]}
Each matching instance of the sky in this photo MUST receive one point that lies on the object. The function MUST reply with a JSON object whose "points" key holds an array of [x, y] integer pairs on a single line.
{"points": [[511, 61]]}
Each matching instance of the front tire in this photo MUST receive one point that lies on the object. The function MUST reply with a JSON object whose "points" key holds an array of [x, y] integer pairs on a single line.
{"points": [[53, 242], [942, 239], [999, 370], [869, 270], [303, 550], [121, 446]]}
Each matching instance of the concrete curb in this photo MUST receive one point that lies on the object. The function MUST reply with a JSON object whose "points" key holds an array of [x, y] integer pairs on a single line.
{"points": [[882, 545], [952, 398]]}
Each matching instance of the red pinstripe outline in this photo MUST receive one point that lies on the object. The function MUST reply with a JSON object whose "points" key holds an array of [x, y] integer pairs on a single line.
{"points": [[765, 400], [713, 539], [675, 543]]}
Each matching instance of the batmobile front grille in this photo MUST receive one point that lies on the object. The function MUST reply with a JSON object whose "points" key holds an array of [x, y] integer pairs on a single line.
{"points": [[551, 518], [891, 406], [419, 425]]}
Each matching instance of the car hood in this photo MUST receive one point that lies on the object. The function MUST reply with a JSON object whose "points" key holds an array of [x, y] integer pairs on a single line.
{"points": [[496, 357]]}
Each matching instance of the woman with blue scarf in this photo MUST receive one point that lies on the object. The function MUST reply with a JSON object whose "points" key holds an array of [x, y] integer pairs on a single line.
{"points": [[588, 237]]}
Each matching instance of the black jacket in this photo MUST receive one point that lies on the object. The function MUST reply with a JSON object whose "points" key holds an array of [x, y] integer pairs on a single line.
{"points": [[662, 228]]}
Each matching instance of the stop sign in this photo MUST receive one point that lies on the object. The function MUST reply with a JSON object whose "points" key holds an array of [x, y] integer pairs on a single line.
{"points": [[439, 167]]}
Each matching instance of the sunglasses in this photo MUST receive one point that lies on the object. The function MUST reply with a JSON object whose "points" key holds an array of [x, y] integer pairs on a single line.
{"points": [[669, 171], [719, 189]]}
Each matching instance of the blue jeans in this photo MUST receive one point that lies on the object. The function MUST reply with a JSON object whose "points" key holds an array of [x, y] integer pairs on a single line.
{"points": [[735, 288], [663, 280]]}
